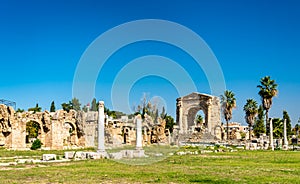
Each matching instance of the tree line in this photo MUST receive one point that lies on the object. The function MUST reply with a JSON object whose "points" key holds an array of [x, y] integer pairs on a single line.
{"points": [[257, 116]]}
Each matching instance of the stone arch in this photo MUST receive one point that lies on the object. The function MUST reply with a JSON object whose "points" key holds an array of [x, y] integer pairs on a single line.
{"points": [[191, 112], [69, 133], [188, 106], [37, 118], [40, 130]]}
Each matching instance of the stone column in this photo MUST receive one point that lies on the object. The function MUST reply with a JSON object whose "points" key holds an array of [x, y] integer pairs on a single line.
{"points": [[145, 136], [138, 152], [285, 141], [271, 135], [101, 138], [179, 114], [139, 144]]}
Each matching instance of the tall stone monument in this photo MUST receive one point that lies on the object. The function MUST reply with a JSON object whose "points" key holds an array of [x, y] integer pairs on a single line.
{"points": [[101, 138], [285, 141], [139, 152], [271, 135], [139, 144]]}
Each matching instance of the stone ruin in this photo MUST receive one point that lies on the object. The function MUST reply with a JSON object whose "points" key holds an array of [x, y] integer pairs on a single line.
{"points": [[120, 132], [66, 130], [187, 108], [57, 130]]}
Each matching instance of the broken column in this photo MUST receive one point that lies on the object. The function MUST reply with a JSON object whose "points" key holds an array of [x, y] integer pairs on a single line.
{"points": [[271, 135], [101, 138], [285, 141], [139, 143], [139, 152]]}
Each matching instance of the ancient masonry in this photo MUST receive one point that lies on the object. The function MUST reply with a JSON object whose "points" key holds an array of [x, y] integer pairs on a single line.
{"points": [[187, 108], [64, 130], [56, 129]]}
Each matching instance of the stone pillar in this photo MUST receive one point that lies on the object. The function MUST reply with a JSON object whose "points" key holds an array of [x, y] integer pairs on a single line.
{"points": [[271, 135], [18, 135], [139, 144], [179, 114], [101, 138], [285, 141], [56, 134], [145, 139], [209, 118], [138, 152]]}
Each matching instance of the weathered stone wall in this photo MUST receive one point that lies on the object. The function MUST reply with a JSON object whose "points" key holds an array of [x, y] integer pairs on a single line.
{"points": [[54, 128], [90, 127], [64, 130], [188, 106]]}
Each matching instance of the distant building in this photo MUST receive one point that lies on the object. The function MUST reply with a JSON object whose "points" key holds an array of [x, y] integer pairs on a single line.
{"points": [[237, 127]]}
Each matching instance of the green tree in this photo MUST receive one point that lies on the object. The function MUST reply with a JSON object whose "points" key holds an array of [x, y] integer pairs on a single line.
{"points": [[76, 104], [52, 107], [36, 144], [296, 130], [85, 108], [169, 123], [110, 113], [277, 127], [94, 106], [20, 110], [35, 109], [259, 127], [228, 102], [199, 119], [145, 107], [67, 106], [32, 130], [250, 109], [163, 113], [288, 122], [73, 104], [156, 115], [267, 90]]}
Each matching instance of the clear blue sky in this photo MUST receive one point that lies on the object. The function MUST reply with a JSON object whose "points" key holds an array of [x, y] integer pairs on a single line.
{"points": [[41, 43]]}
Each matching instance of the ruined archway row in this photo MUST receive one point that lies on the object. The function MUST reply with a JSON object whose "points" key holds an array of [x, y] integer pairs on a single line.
{"points": [[54, 134]]}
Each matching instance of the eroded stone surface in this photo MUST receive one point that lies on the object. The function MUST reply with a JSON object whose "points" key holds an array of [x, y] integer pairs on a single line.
{"points": [[187, 108], [69, 130]]}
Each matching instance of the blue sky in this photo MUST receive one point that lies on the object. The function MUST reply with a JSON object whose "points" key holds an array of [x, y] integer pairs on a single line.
{"points": [[41, 43]]}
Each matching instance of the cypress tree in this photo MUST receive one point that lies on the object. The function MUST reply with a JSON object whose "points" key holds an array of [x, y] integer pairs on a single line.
{"points": [[52, 107]]}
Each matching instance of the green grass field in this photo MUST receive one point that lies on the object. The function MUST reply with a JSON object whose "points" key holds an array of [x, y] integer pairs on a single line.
{"points": [[228, 167]]}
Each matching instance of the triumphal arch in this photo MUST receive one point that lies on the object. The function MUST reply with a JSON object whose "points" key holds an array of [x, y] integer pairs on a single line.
{"points": [[188, 106]]}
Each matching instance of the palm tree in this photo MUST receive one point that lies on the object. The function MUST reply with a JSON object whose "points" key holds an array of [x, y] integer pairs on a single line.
{"points": [[251, 110], [277, 127], [267, 90], [259, 126], [228, 104]]}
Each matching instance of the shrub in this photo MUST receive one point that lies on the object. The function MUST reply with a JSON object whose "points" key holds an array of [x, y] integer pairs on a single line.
{"points": [[36, 144]]}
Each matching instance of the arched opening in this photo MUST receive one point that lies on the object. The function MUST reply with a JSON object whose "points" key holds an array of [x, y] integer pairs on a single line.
{"points": [[69, 134], [200, 123], [196, 120], [33, 131], [5, 130]]}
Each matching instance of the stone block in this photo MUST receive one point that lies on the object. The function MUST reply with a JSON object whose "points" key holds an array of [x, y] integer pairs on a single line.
{"points": [[47, 157], [116, 156], [127, 153], [138, 153], [80, 155], [98, 155], [69, 154]]}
